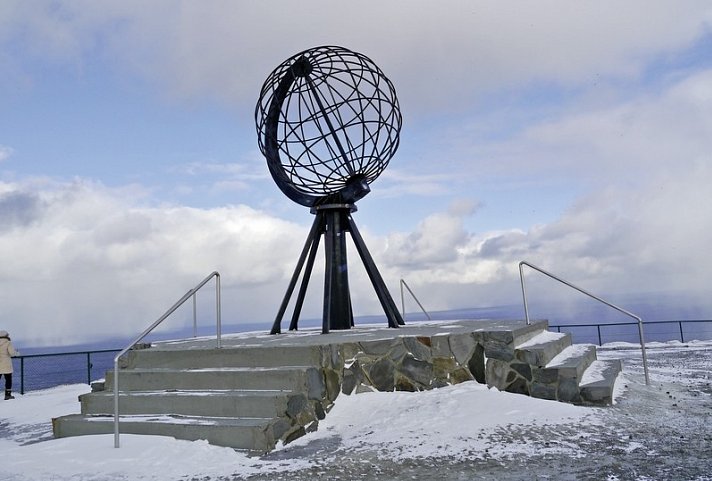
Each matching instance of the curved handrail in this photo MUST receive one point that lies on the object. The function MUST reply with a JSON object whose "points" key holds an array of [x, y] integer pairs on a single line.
{"points": [[403, 283], [188, 295], [619, 309]]}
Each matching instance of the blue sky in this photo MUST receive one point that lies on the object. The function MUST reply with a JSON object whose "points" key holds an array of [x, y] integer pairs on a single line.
{"points": [[576, 136]]}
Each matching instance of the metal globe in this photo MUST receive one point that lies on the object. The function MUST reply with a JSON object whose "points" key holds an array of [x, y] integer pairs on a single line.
{"points": [[328, 123]]}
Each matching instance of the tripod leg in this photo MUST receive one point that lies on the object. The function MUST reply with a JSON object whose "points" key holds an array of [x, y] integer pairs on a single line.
{"points": [[389, 307], [307, 274], [277, 326], [337, 302]]}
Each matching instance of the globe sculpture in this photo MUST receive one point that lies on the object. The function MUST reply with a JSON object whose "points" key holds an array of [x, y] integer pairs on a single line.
{"points": [[328, 123]]}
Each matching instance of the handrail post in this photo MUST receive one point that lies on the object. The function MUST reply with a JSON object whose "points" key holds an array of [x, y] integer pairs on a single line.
{"points": [[218, 310], [195, 316], [402, 300], [403, 283], [642, 348], [524, 293], [88, 367], [22, 375], [682, 336], [116, 402]]}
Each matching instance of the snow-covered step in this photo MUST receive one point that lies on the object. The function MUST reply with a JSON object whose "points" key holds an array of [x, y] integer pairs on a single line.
{"points": [[571, 362], [215, 403], [559, 379], [513, 335], [169, 355], [256, 434], [542, 348], [291, 378], [598, 381]]}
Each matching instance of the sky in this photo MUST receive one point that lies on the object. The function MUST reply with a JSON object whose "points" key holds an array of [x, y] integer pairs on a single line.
{"points": [[574, 136]]}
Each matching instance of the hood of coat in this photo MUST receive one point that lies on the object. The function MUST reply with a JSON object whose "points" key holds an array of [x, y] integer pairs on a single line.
{"points": [[4, 334]]}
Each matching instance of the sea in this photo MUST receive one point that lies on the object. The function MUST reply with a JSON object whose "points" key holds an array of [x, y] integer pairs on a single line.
{"points": [[45, 367]]}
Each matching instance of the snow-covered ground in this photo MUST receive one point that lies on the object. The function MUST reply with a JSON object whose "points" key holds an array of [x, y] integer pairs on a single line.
{"points": [[463, 432]]}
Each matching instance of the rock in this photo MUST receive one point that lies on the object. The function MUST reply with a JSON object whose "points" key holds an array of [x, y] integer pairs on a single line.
{"points": [[418, 349], [315, 384], [543, 391], [476, 364], [420, 372], [462, 346], [524, 370], [381, 374], [519, 386], [441, 345], [569, 391]]}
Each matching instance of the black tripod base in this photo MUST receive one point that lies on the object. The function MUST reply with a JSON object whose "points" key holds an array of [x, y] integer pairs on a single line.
{"points": [[333, 221]]}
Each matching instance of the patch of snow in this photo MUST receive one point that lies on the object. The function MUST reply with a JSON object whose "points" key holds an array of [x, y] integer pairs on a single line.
{"points": [[421, 420], [541, 338], [573, 351], [594, 373]]}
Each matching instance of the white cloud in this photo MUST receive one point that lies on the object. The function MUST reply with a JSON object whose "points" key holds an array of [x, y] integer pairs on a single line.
{"points": [[616, 240], [89, 261], [435, 54], [84, 261]]}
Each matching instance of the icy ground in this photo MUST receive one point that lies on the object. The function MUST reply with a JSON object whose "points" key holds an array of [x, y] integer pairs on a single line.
{"points": [[463, 432]]}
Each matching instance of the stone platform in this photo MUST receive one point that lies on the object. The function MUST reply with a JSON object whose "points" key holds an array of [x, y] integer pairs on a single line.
{"points": [[260, 389]]}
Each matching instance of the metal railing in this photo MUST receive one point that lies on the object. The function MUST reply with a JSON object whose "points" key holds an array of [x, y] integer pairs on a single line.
{"points": [[599, 326], [404, 284], [181, 301], [592, 296], [59, 368]]}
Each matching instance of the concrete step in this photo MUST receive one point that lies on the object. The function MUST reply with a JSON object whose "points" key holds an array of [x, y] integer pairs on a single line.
{"points": [[542, 348], [598, 382], [571, 362], [169, 356], [255, 434], [291, 378], [213, 403], [515, 334], [559, 379]]}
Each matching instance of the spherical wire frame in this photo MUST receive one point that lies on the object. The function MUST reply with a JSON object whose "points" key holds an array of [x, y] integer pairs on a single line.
{"points": [[339, 120]]}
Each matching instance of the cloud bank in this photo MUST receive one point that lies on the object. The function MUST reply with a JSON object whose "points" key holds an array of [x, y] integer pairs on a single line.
{"points": [[86, 261]]}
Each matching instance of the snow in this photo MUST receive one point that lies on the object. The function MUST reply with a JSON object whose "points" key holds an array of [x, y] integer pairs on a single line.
{"points": [[573, 351], [541, 338], [449, 428], [594, 373], [436, 423]]}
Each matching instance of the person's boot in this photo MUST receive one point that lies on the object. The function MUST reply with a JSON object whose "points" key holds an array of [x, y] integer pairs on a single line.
{"points": [[8, 395]]}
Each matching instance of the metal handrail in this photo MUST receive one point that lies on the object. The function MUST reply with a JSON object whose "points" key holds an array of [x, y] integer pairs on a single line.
{"points": [[188, 295], [613, 306], [403, 283]]}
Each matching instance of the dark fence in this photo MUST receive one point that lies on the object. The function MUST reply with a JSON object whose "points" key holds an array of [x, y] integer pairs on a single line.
{"points": [[41, 371], [682, 330]]}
